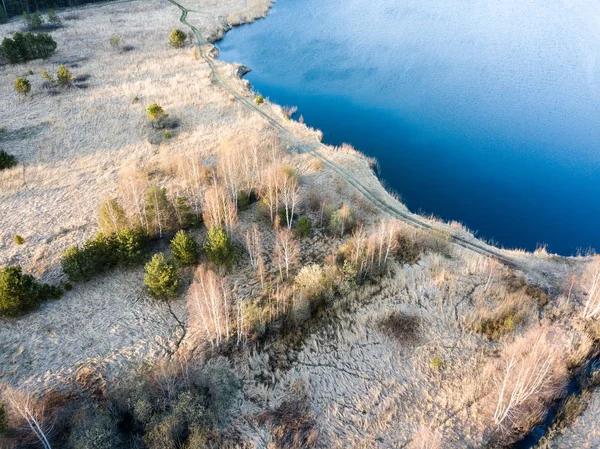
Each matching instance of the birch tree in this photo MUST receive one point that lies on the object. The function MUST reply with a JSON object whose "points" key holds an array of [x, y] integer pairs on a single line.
{"points": [[254, 246], [286, 252], [290, 195], [531, 374], [210, 306], [133, 185], [231, 168], [219, 210], [32, 411]]}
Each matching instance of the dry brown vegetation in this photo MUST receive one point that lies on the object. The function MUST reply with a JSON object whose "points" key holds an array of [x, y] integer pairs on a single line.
{"points": [[365, 333]]}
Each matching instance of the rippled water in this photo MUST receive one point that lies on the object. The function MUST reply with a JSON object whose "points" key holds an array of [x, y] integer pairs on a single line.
{"points": [[486, 112]]}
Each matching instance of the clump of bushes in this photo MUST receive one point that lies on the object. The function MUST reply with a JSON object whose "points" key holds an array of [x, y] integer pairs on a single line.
{"points": [[19, 240], [22, 86], [184, 248], [20, 292], [259, 99], [155, 112], [402, 327], [341, 221], [219, 247], [53, 17], [98, 255], [501, 324], [34, 21], [63, 76], [177, 38], [303, 227], [27, 46], [161, 278], [7, 160]]}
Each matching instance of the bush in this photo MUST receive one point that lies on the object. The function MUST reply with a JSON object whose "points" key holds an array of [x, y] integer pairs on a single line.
{"points": [[312, 282], [95, 428], [245, 199], [7, 160], [167, 134], [21, 292], [63, 75], [219, 247], [184, 248], [131, 246], [27, 46], [161, 277], [177, 38], [303, 227], [259, 99], [35, 21], [155, 112], [341, 221], [437, 362], [19, 240], [94, 257], [53, 17], [185, 217], [115, 42], [22, 86]]}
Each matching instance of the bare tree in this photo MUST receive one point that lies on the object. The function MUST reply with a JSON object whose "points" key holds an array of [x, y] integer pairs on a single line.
{"points": [[254, 246], [160, 214], [271, 189], [219, 210], [133, 184], [426, 438], [591, 285], [31, 411], [286, 252], [530, 375], [231, 168], [290, 195], [210, 306]]}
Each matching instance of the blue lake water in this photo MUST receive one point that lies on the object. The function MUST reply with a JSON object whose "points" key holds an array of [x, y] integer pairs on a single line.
{"points": [[485, 112]]}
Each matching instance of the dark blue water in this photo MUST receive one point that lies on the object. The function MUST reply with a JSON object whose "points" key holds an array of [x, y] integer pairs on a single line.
{"points": [[483, 112]]}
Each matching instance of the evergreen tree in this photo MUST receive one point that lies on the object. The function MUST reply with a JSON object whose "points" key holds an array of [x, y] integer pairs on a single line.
{"points": [[177, 38], [184, 248], [22, 86], [161, 277], [219, 247]]}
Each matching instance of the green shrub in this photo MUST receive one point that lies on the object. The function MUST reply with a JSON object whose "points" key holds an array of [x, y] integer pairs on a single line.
{"points": [[155, 112], [131, 246], [505, 323], [68, 287], [185, 217], [259, 99], [94, 257], [303, 227], [437, 362], [95, 428], [63, 75], [177, 38], [27, 46], [20, 292], [126, 247], [44, 74], [27, 18], [161, 277], [19, 240], [7, 160], [245, 199], [167, 134], [219, 247], [36, 21], [53, 17], [184, 248], [115, 42], [22, 86]]}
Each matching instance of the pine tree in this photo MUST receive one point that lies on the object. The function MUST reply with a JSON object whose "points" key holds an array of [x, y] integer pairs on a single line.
{"points": [[184, 248], [219, 247], [161, 277]]}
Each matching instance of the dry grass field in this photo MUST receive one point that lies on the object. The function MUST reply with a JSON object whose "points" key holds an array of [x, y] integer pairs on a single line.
{"points": [[431, 353]]}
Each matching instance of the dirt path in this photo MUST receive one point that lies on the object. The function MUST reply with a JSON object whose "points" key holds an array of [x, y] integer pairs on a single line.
{"points": [[386, 205]]}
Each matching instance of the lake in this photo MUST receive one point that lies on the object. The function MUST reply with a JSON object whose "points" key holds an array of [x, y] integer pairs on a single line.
{"points": [[485, 112]]}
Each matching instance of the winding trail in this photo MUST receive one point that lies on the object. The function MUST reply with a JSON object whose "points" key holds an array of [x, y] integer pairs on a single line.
{"points": [[386, 206]]}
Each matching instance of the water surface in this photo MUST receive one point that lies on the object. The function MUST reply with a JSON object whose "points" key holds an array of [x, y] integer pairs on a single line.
{"points": [[485, 112]]}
